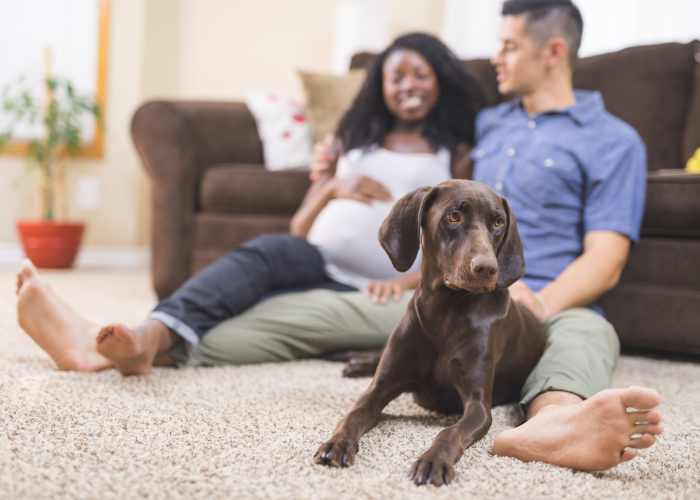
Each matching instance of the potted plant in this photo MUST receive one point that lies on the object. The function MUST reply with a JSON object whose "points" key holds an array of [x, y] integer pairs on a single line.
{"points": [[48, 242]]}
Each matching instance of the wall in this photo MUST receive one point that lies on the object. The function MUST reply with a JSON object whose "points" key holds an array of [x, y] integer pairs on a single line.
{"points": [[228, 47], [115, 220], [195, 49]]}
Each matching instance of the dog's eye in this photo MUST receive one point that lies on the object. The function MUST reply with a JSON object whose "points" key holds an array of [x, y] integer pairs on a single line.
{"points": [[454, 217], [498, 224]]}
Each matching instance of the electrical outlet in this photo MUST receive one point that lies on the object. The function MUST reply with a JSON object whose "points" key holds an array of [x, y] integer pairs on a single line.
{"points": [[88, 192]]}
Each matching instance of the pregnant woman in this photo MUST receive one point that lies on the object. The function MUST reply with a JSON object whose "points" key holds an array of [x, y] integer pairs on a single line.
{"points": [[411, 125]]}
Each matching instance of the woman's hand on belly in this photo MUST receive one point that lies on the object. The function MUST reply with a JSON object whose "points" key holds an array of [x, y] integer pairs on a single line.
{"points": [[360, 188]]}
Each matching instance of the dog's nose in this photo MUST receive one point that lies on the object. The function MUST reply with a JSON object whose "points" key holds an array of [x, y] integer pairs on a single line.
{"points": [[484, 267]]}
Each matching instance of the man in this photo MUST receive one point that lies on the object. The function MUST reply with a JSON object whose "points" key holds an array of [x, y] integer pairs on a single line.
{"points": [[575, 177]]}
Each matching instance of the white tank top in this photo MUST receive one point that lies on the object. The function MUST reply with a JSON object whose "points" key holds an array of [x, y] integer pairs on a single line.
{"points": [[346, 231]]}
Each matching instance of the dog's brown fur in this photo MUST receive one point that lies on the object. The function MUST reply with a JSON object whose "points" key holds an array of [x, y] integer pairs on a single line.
{"points": [[463, 344]]}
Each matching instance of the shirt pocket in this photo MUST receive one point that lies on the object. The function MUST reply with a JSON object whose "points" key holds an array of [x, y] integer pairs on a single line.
{"points": [[554, 176]]}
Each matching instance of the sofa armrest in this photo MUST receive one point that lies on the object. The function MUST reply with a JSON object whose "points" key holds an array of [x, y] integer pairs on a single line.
{"points": [[672, 205], [177, 141]]}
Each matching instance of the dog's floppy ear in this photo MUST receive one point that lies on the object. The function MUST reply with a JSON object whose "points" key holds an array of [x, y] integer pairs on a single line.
{"points": [[400, 231], [511, 262]]}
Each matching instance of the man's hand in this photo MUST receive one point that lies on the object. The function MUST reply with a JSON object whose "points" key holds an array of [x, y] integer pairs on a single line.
{"points": [[380, 292], [522, 293], [360, 188], [325, 157]]}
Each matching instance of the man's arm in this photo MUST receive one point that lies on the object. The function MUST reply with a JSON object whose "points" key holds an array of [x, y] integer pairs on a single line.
{"points": [[594, 272], [613, 210]]}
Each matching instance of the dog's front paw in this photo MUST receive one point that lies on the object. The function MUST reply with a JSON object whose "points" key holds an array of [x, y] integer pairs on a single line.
{"points": [[337, 453], [432, 469]]}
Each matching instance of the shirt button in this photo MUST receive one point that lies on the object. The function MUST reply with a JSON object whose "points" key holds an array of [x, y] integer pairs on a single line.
{"points": [[531, 124], [549, 162], [499, 186], [510, 152]]}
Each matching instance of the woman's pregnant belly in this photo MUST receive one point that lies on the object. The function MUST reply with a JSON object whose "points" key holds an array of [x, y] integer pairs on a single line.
{"points": [[347, 234]]}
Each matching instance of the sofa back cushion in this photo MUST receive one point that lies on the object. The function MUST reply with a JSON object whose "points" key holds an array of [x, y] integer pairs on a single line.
{"points": [[650, 87], [653, 88], [251, 189]]}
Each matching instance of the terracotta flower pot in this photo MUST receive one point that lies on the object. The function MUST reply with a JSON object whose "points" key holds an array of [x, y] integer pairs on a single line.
{"points": [[51, 244]]}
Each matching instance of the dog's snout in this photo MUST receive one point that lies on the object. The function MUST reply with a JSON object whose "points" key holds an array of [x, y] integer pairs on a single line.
{"points": [[484, 267]]}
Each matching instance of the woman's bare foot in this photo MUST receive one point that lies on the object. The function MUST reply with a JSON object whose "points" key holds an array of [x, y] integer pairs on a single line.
{"points": [[133, 350], [60, 331], [593, 435]]}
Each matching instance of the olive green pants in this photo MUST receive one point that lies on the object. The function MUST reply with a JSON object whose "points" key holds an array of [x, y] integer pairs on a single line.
{"points": [[581, 353]]}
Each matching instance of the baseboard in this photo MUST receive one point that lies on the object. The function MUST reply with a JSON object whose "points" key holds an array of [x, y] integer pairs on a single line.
{"points": [[102, 257]]}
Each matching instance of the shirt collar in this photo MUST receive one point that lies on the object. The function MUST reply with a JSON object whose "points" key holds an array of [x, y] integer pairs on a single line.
{"points": [[588, 106]]}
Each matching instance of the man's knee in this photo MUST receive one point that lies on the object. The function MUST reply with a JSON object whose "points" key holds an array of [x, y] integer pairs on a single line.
{"points": [[580, 356], [583, 327]]}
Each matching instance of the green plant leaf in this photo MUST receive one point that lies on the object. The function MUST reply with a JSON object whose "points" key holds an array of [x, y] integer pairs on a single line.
{"points": [[61, 122], [51, 84]]}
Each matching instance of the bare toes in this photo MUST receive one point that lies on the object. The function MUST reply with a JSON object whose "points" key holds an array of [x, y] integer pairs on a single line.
{"points": [[628, 455], [640, 398], [655, 429], [641, 441], [106, 332], [26, 271], [645, 418]]}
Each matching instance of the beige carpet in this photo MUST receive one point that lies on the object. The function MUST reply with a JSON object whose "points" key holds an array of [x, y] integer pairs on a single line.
{"points": [[250, 432]]}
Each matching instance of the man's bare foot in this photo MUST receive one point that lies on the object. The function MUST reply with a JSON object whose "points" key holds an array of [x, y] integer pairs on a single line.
{"points": [[593, 435], [133, 350], [60, 331]]}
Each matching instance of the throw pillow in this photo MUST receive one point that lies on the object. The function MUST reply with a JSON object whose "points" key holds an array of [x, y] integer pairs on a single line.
{"points": [[283, 128], [328, 96]]}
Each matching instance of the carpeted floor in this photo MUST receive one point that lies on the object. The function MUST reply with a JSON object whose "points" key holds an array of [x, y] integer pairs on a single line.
{"points": [[250, 432]]}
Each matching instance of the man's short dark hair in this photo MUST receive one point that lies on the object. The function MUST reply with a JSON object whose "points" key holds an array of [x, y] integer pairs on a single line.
{"points": [[547, 18]]}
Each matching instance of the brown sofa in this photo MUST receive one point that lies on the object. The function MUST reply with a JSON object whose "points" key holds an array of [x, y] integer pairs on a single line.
{"points": [[210, 191]]}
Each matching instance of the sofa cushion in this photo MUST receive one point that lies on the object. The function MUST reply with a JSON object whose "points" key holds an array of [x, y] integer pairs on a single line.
{"points": [[650, 87], [672, 205], [654, 318], [328, 97], [218, 234], [250, 189], [664, 262], [485, 74]]}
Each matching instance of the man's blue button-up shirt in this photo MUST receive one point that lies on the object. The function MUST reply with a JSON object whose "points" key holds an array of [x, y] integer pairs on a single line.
{"points": [[564, 173]]}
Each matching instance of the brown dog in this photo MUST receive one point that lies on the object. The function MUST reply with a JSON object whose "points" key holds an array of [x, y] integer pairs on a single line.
{"points": [[463, 344]]}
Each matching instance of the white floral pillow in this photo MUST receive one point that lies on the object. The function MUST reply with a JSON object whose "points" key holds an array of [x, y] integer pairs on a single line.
{"points": [[283, 128]]}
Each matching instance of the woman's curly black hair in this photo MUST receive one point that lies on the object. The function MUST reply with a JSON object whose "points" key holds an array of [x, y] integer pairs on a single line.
{"points": [[449, 123]]}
